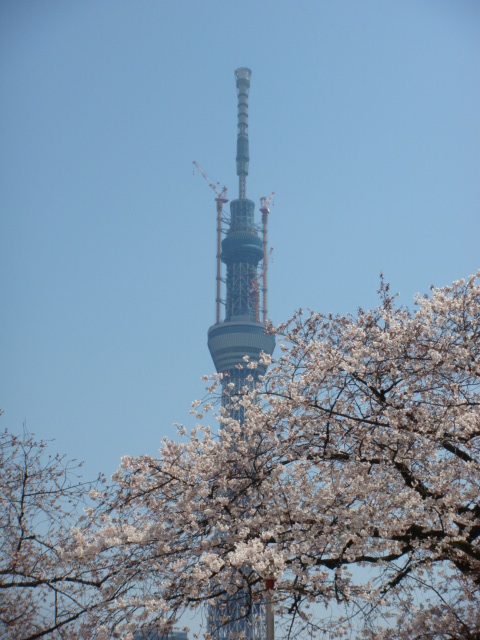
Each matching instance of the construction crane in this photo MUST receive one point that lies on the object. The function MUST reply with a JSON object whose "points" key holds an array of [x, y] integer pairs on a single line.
{"points": [[220, 200], [255, 293], [220, 194], [264, 204]]}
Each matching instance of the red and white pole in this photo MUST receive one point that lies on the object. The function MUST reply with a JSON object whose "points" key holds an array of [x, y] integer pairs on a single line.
{"points": [[269, 585]]}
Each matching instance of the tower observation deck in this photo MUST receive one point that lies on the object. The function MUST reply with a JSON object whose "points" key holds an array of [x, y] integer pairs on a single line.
{"points": [[240, 334]]}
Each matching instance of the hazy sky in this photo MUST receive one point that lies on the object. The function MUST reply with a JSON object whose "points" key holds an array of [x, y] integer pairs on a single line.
{"points": [[364, 119]]}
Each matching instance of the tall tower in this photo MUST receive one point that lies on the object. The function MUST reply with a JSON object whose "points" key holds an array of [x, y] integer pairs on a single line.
{"points": [[240, 334]]}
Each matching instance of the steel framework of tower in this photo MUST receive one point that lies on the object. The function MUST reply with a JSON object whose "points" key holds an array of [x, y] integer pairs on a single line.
{"points": [[240, 334]]}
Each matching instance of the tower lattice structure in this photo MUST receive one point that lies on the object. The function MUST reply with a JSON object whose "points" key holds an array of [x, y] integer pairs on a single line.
{"points": [[240, 334]]}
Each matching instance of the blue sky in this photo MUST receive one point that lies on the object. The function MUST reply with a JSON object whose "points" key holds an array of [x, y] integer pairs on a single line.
{"points": [[363, 120]]}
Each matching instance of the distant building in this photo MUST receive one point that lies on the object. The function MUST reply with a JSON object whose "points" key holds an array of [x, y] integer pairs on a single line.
{"points": [[152, 633]]}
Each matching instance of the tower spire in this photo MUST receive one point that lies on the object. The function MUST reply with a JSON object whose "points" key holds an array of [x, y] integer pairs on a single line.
{"points": [[242, 74]]}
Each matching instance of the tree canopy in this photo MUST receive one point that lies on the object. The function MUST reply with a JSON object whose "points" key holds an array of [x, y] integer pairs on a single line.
{"points": [[353, 482]]}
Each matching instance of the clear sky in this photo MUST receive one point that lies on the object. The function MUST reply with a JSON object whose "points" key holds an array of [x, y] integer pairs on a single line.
{"points": [[364, 119]]}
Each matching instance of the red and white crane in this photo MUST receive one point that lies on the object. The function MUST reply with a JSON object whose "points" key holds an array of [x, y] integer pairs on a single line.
{"points": [[264, 208], [265, 202], [220, 200], [220, 194]]}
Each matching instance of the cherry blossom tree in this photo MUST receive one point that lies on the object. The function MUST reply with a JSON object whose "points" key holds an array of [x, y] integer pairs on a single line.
{"points": [[353, 482], [46, 589]]}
